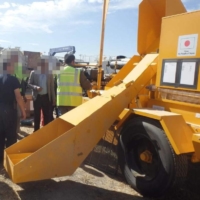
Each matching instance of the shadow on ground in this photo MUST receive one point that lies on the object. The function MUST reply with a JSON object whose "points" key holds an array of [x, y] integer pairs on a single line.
{"points": [[104, 158], [69, 190], [6, 192]]}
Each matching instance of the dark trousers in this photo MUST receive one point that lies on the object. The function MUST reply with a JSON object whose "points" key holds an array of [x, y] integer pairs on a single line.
{"points": [[41, 102], [8, 125], [57, 112], [51, 109]]}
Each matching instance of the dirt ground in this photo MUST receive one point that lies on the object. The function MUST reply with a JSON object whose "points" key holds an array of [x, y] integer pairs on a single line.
{"points": [[87, 183]]}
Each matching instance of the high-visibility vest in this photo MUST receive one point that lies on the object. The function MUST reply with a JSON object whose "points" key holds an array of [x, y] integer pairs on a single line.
{"points": [[69, 91], [18, 73]]}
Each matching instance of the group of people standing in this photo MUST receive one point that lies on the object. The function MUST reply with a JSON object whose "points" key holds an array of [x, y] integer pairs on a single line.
{"points": [[65, 94]]}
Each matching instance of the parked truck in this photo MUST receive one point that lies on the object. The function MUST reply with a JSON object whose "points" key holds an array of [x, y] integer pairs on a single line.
{"points": [[153, 102]]}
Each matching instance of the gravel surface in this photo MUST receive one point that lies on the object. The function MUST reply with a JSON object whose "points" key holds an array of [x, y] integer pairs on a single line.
{"points": [[87, 183]]}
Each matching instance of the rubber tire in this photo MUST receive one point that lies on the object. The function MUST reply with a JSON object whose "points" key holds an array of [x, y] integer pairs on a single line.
{"points": [[173, 168]]}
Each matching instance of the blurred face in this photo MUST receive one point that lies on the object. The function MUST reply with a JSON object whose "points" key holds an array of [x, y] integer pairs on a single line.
{"points": [[44, 67], [14, 61], [14, 58], [11, 69], [73, 62]]}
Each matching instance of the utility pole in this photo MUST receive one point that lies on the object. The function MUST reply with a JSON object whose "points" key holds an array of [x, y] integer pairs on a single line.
{"points": [[105, 9]]}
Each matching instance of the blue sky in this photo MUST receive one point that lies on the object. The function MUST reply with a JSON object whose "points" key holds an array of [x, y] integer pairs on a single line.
{"points": [[41, 25]]}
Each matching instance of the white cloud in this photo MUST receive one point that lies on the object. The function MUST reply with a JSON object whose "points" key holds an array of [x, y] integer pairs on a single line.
{"points": [[124, 4], [38, 16], [4, 5], [42, 16], [4, 41], [95, 1], [13, 4], [118, 4]]}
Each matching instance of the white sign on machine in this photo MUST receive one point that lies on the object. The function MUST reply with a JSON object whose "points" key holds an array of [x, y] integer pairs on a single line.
{"points": [[169, 75], [187, 45], [188, 73]]}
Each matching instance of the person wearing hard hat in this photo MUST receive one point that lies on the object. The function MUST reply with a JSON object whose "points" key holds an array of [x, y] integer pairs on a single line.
{"points": [[70, 82], [10, 94]]}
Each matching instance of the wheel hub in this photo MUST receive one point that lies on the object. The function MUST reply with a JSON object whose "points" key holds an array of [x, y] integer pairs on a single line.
{"points": [[146, 156]]}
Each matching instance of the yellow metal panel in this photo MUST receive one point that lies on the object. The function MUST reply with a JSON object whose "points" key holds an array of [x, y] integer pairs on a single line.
{"points": [[174, 7], [140, 74], [40, 138], [149, 25], [176, 129], [66, 152], [196, 143], [60, 147], [123, 72], [172, 28], [154, 114], [122, 118], [188, 111], [16, 158], [124, 113], [178, 133]]}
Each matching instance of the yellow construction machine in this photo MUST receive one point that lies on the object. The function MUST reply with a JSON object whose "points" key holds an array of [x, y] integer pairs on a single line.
{"points": [[153, 102]]}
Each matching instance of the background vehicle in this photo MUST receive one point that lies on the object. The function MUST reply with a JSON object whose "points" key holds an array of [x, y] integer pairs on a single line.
{"points": [[118, 63], [68, 49], [153, 102]]}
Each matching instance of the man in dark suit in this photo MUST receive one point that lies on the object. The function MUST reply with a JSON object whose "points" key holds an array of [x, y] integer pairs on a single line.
{"points": [[43, 92]]}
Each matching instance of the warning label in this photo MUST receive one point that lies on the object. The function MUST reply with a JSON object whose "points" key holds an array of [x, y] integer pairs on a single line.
{"points": [[187, 45]]}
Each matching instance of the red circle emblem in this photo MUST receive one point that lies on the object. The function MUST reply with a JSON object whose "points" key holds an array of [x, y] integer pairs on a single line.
{"points": [[187, 43]]}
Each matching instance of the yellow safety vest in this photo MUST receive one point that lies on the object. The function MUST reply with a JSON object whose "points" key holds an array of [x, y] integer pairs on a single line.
{"points": [[18, 73], [69, 91]]}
